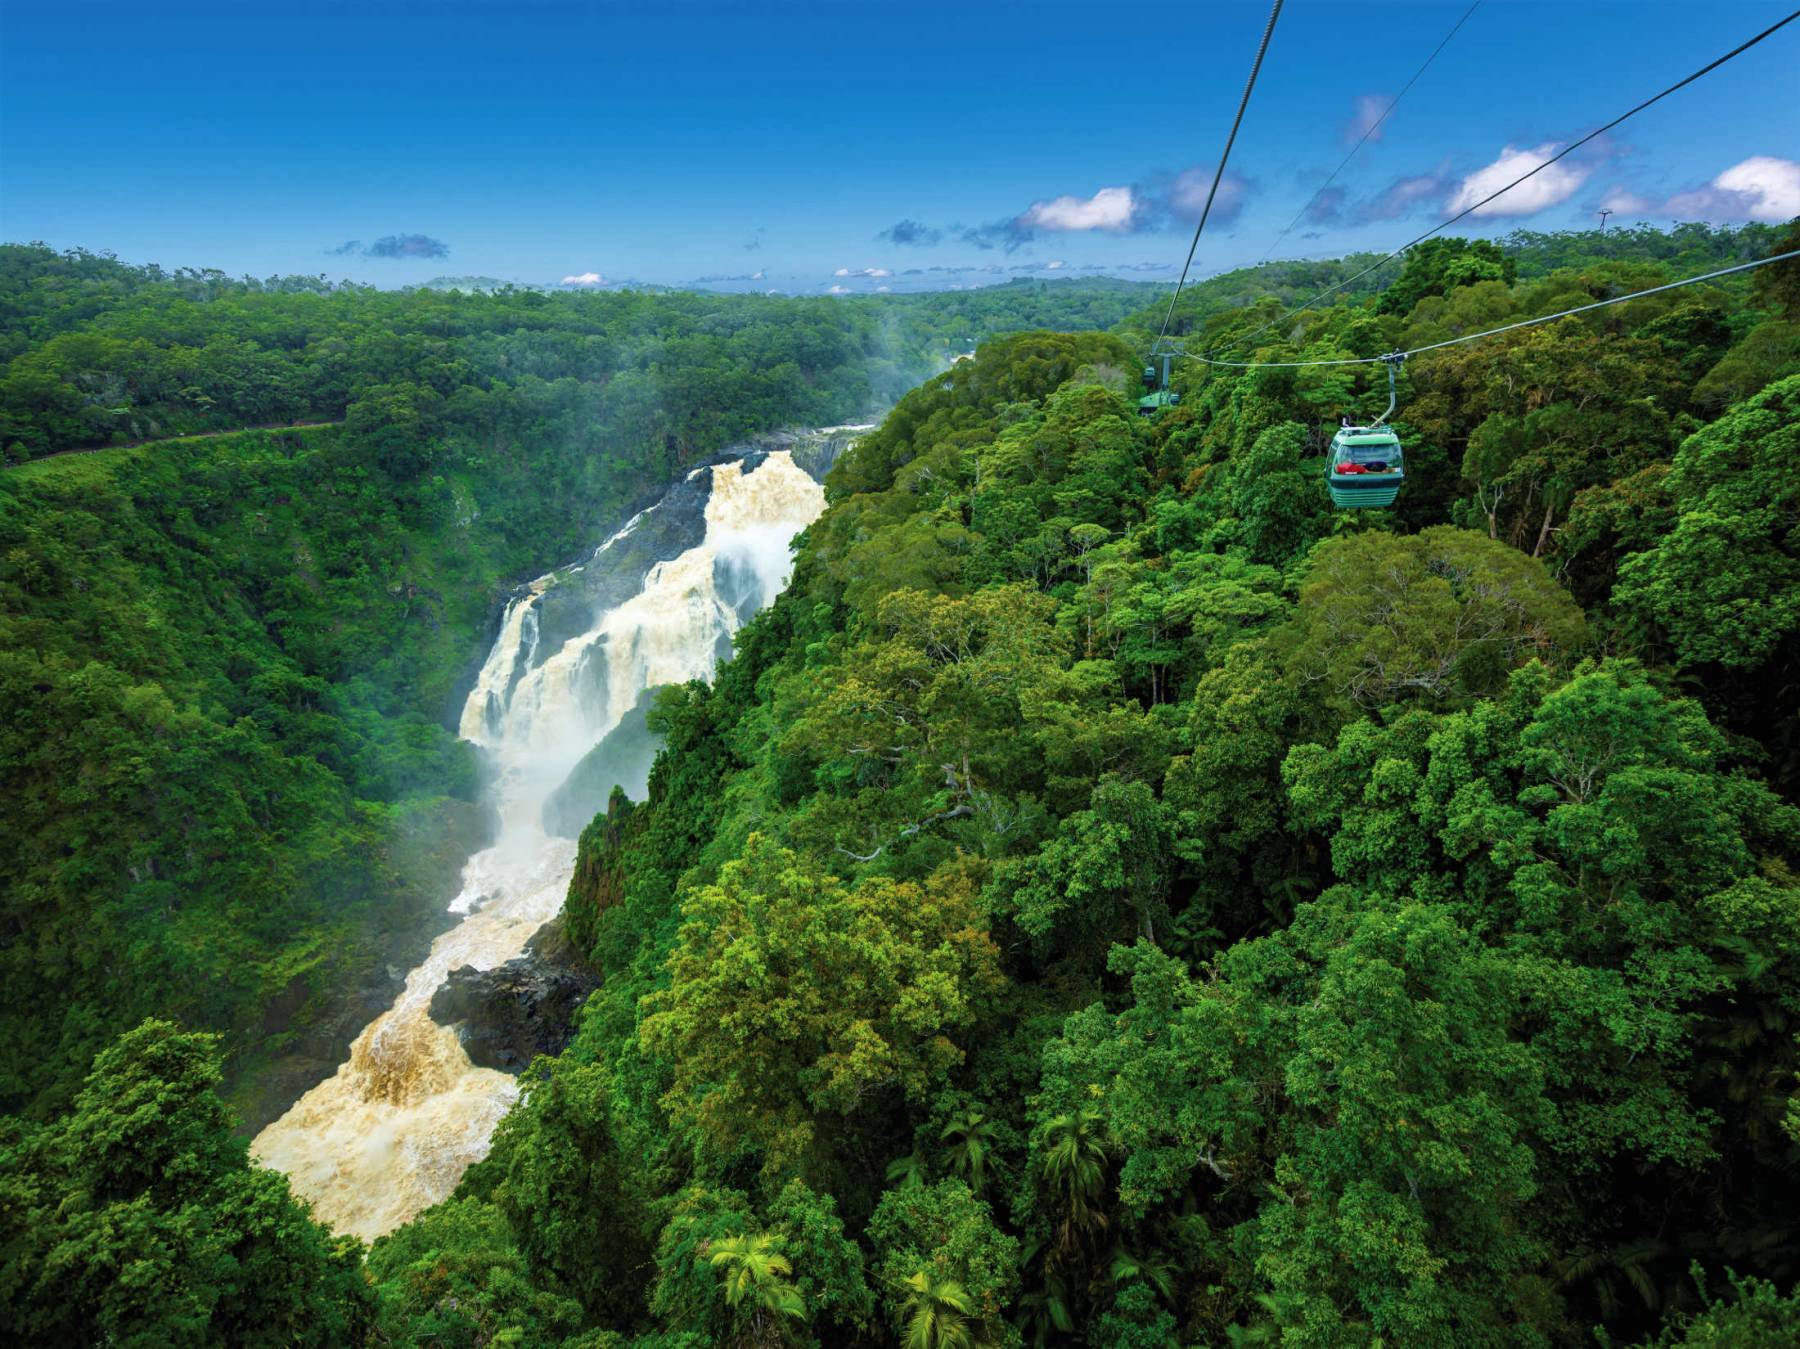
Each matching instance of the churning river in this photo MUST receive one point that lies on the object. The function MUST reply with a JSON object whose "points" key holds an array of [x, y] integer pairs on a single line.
{"points": [[657, 603]]}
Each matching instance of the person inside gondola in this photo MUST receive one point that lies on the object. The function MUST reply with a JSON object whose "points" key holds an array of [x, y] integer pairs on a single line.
{"points": [[1355, 462]]}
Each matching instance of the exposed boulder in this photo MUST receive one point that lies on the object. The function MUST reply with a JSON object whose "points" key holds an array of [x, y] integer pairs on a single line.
{"points": [[507, 1016]]}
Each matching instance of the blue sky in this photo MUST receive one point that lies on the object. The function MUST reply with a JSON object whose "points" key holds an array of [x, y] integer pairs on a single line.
{"points": [[778, 145]]}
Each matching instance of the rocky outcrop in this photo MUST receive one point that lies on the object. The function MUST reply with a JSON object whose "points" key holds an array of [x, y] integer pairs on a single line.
{"points": [[815, 450], [623, 759], [616, 570], [507, 1016]]}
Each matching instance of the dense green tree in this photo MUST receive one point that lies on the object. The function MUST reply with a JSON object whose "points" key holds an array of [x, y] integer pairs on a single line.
{"points": [[1401, 1132], [1439, 265], [455, 1276], [567, 1191], [1725, 584], [1778, 286], [1438, 617], [1103, 876], [1717, 591], [939, 1252], [829, 1265], [138, 1219], [792, 998], [1764, 354], [722, 1272]]}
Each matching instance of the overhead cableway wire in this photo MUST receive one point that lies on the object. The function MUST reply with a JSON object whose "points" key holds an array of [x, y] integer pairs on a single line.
{"points": [[1566, 150], [1373, 128], [1505, 328], [1219, 174]]}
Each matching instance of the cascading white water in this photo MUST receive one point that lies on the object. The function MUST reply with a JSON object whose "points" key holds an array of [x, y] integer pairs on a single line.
{"points": [[392, 1132]]}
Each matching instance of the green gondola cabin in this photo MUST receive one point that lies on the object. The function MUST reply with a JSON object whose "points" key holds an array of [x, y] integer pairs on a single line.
{"points": [[1364, 467], [1157, 393]]}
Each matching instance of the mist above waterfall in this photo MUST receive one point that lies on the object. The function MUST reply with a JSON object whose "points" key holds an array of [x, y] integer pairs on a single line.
{"points": [[657, 603]]}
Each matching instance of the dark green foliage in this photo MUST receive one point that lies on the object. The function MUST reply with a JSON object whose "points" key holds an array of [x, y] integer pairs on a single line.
{"points": [[1753, 1316], [455, 1276], [1438, 266], [1725, 584], [138, 1219], [1381, 967], [1719, 592], [1103, 877], [1112, 898], [230, 668], [943, 1231], [566, 1190]]}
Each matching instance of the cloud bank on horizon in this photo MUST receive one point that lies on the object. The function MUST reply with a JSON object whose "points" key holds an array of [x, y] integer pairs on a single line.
{"points": [[1761, 188], [1764, 188], [534, 166]]}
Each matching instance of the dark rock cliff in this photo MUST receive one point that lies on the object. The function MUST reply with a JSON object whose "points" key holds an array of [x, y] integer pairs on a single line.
{"points": [[507, 1016]]}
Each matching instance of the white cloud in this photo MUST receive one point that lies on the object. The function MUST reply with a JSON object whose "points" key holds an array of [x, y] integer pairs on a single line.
{"points": [[756, 276], [1055, 266], [1365, 118], [1187, 195], [838, 290], [862, 271], [1772, 184], [1548, 188], [883, 290], [1111, 208], [585, 279], [1401, 197], [1621, 202], [1759, 188]]}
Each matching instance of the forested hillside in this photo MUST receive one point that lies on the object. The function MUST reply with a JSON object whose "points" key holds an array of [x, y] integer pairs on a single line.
{"points": [[230, 667], [1110, 899], [96, 352], [1114, 899]]}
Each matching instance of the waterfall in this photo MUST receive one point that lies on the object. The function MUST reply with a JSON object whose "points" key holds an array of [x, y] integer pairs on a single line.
{"points": [[393, 1131]]}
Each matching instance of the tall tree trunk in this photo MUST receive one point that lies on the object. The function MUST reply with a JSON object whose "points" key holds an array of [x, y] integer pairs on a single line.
{"points": [[1544, 531]]}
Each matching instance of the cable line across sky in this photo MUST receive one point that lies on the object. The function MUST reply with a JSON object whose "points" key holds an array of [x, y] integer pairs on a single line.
{"points": [[1219, 174], [1476, 206], [1373, 127]]}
